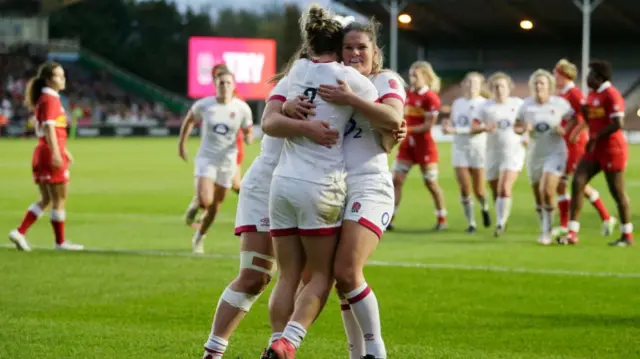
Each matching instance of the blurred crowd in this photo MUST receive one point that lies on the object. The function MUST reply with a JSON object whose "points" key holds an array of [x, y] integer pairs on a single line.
{"points": [[91, 98]]}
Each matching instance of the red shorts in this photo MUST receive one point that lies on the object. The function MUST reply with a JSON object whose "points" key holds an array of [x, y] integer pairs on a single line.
{"points": [[418, 150], [610, 160], [575, 153], [43, 171]]}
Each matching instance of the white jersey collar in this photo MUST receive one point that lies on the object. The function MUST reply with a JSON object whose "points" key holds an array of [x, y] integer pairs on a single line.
{"points": [[604, 86], [422, 91], [50, 91], [568, 87]]}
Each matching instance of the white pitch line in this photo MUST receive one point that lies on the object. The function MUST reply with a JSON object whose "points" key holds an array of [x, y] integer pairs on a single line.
{"points": [[464, 267]]}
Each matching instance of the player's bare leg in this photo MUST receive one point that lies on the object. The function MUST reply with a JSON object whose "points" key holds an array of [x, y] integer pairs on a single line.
{"points": [[192, 212], [503, 201], [430, 173], [547, 193], [564, 201], [493, 185], [237, 178], [478, 179], [257, 264], [463, 176], [617, 188], [608, 222], [537, 198], [320, 252], [35, 211], [581, 178], [399, 176], [355, 246], [58, 193], [206, 193], [291, 263]]}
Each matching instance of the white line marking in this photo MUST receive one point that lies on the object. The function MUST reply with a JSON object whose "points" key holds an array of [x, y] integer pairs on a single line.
{"points": [[133, 217], [475, 268]]}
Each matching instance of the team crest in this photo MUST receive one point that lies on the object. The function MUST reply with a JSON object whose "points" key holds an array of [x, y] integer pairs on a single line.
{"points": [[233, 115], [418, 103], [355, 208], [596, 102], [385, 219], [393, 84], [265, 222]]}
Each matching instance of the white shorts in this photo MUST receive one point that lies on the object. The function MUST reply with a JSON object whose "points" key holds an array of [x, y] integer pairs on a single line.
{"points": [[370, 201], [220, 175], [305, 208], [468, 156], [252, 214], [554, 163], [498, 161]]}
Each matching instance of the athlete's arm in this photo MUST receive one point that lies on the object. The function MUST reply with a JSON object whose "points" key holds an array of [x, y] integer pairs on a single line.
{"points": [[185, 131], [617, 122], [247, 125], [248, 135], [429, 120], [384, 116], [275, 124]]}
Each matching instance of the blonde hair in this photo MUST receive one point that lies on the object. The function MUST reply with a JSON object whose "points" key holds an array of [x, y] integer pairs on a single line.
{"points": [[471, 74], [541, 73], [320, 31], [425, 68], [499, 76], [567, 69]]}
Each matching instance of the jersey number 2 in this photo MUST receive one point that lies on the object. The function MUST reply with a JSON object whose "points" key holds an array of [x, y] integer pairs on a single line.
{"points": [[351, 128]]}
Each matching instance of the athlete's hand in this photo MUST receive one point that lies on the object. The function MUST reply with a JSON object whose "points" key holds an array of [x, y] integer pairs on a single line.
{"points": [[321, 133], [560, 130], [182, 152], [56, 160], [447, 129], [299, 107], [490, 126], [524, 140], [338, 95], [401, 133], [69, 156]]}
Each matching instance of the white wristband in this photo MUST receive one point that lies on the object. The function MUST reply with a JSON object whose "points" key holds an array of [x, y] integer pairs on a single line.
{"points": [[463, 130]]}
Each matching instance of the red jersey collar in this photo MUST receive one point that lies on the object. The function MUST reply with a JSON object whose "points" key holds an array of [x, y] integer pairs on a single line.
{"points": [[315, 61], [50, 91]]}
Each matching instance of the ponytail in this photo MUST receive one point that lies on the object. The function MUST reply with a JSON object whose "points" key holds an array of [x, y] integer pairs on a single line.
{"points": [[33, 91]]}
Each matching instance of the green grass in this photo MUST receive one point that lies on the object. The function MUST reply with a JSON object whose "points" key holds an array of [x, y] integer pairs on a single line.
{"points": [[473, 297]]}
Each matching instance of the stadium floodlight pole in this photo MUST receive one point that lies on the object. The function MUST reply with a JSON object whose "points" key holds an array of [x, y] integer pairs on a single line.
{"points": [[394, 9], [587, 7]]}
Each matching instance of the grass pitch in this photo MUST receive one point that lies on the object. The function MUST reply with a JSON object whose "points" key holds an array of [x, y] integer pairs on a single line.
{"points": [[442, 295]]}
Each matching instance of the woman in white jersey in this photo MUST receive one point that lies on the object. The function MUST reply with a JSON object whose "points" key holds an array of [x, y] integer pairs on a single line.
{"points": [[221, 116], [370, 195], [469, 149], [308, 190], [505, 148], [541, 115], [257, 263]]}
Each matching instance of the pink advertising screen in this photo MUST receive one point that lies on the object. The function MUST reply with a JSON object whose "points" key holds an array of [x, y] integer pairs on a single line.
{"points": [[252, 62]]}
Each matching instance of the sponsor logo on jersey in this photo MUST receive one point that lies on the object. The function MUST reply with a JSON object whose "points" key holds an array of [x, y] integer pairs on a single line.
{"points": [[385, 219], [355, 208]]}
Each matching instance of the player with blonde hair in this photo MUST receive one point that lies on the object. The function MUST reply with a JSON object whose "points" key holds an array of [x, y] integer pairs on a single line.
{"points": [[576, 139], [421, 113], [505, 149], [468, 148], [542, 115]]}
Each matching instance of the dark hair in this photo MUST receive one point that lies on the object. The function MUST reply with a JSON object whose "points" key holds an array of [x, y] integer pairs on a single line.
{"points": [[37, 83], [601, 69], [320, 31], [301, 53]]}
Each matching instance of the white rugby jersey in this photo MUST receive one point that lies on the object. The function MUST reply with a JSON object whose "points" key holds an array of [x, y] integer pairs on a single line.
{"points": [[271, 147], [363, 152], [504, 138], [302, 158], [463, 112], [545, 118], [219, 128]]}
